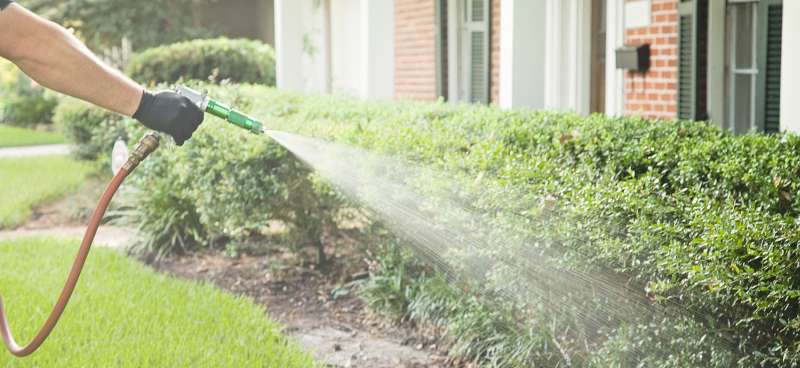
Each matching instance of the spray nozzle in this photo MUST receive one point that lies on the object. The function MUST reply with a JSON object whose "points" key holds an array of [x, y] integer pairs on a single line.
{"points": [[220, 110]]}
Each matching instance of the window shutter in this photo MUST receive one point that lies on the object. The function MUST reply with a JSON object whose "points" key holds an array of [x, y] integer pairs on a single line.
{"points": [[772, 67], [686, 60], [477, 32]]}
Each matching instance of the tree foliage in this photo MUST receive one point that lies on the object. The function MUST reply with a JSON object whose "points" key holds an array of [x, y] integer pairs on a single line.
{"points": [[104, 23]]}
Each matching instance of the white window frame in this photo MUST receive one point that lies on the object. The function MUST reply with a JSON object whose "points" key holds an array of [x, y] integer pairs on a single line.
{"points": [[459, 53], [733, 71]]}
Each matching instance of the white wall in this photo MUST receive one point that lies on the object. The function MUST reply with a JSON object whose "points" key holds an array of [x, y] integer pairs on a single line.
{"points": [[336, 46], [288, 43], [790, 74], [377, 51], [522, 49], [346, 38]]}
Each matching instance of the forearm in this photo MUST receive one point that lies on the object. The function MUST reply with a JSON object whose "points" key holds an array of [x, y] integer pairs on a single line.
{"points": [[54, 58]]}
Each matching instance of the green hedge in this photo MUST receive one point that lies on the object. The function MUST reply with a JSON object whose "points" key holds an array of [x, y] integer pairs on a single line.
{"points": [[684, 212], [219, 59], [697, 216]]}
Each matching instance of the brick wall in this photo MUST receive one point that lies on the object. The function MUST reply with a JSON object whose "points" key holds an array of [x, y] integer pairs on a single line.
{"points": [[654, 94], [415, 49], [495, 53]]}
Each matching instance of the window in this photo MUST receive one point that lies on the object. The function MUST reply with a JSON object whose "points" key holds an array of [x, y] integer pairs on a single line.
{"points": [[753, 62], [742, 65], [475, 53], [752, 54]]}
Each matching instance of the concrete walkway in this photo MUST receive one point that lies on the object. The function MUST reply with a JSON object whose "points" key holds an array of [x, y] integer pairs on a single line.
{"points": [[44, 150], [107, 236]]}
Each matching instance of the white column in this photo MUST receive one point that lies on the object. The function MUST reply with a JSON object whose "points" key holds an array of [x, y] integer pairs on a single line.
{"points": [[790, 74], [615, 37], [715, 90], [582, 58], [568, 46], [522, 56], [289, 44], [377, 49], [554, 44]]}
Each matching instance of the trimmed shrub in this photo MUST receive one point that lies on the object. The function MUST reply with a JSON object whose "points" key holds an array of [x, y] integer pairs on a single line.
{"points": [[688, 214], [696, 220], [223, 186], [220, 59]]}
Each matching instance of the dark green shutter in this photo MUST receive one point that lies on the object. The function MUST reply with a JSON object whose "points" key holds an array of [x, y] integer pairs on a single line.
{"points": [[693, 59], [686, 60], [772, 74]]}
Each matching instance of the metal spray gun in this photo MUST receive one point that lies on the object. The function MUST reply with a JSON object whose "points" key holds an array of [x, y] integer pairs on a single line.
{"points": [[220, 110]]}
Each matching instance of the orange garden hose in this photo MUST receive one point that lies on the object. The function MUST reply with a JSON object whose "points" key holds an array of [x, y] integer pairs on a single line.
{"points": [[147, 145]]}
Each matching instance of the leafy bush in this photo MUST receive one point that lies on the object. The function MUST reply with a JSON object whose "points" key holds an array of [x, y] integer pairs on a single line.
{"points": [[93, 131], [23, 102], [699, 222], [239, 61], [223, 185]]}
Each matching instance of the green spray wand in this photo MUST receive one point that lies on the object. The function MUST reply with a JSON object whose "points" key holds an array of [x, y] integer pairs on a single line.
{"points": [[221, 110]]}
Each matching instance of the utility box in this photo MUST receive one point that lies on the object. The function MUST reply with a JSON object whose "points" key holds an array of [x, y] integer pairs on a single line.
{"points": [[634, 58]]}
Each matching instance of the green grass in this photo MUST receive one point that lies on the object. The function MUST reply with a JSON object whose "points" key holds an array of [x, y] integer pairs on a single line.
{"points": [[27, 182], [123, 314], [16, 137]]}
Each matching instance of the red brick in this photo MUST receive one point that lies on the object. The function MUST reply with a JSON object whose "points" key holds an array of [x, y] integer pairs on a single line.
{"points": [[415, 49], [653, 95]]}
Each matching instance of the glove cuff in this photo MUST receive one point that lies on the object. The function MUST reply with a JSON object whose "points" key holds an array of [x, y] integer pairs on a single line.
{"points": [[144, 105]]}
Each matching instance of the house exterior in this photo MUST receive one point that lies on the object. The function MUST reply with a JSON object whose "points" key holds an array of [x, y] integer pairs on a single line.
{"points": [[726, 61], [253, 19]]}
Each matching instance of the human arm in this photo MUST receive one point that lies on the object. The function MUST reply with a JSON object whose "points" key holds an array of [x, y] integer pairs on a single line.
{"points": [[56, 59]]}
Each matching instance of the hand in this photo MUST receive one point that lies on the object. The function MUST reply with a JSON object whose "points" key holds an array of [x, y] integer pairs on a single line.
{"points": [[170, 113]]}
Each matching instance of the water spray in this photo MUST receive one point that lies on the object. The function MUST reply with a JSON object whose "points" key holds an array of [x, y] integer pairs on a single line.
{"points": [[144, 148]]}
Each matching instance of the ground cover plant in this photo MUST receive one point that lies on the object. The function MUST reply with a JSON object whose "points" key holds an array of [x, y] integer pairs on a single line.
{"points": [[126, 315], [29, 181], [16, 137], [698, 221]]}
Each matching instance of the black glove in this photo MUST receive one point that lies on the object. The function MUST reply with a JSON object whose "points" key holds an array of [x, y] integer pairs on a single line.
{"points": [[170, 113]]}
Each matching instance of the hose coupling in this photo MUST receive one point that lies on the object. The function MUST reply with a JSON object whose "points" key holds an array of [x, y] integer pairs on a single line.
{"points": [[144, 148]]}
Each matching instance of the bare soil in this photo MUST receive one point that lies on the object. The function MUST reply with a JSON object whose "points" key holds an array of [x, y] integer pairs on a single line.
{"points": [[324, 316]]}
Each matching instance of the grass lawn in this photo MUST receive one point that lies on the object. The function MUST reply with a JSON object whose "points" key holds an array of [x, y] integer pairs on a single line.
{"points": [[123, 314], [15, 137], [26, 182]]}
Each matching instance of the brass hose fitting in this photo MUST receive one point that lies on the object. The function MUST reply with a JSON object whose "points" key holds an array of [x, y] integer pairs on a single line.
{"points": [[144, 148]]}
